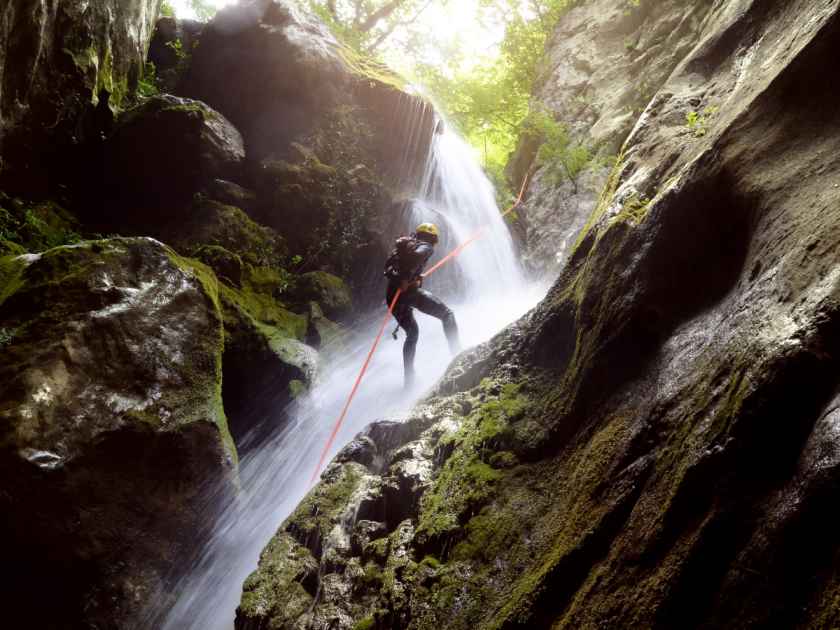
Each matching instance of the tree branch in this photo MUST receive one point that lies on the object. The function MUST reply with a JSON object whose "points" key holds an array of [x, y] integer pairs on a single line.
{"points": [[382, 12], [387, 33]]}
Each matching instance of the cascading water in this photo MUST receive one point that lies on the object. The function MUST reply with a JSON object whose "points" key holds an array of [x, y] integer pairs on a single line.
{"points": [[486, 289]]}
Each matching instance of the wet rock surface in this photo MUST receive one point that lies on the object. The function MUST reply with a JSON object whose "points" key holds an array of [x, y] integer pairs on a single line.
{"points": [[66, 67], [123, 360], [654, 445], [166, 149], [603, 65], [112, 426], [331, 139]]}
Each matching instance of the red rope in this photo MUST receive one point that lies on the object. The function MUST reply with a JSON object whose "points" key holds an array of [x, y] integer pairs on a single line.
{"points": [[340, 421], [453, 254]]}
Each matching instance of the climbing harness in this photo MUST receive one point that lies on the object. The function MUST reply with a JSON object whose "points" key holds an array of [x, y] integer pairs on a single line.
{"points": [[450, 256]]}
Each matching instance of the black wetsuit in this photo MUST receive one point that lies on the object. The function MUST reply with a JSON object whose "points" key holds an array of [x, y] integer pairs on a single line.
{"points": [[406, 263]]}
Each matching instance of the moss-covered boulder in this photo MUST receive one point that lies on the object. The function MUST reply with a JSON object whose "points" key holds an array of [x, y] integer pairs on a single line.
{"points": [[66, 68], [323, 333], [171, 48], [165, 150], [209, 222], [111, 425], [329, 291], [266, 363]]}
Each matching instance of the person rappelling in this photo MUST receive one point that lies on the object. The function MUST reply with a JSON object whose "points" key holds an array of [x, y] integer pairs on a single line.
{"points": [[404, 271]]}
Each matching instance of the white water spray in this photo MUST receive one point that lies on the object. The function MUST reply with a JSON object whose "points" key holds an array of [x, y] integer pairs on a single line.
{"points": [[486, 290]]}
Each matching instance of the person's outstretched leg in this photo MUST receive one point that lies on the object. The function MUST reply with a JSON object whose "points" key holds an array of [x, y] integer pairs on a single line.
{"points": [[405, 318], [427, 303]]}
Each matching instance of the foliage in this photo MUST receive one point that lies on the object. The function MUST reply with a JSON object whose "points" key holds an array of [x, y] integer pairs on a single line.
{"points": [[148, 83], [490, 101], [557, 153], [36, 227], [166, 9], [698, 122], [368, 24]]}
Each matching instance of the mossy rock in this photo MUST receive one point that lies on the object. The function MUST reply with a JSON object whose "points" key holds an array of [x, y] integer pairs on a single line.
{"points": [[112, 422], [167, 149], [226, 265], [216, 224], [8, 248], [329, 291], [324, 334]]}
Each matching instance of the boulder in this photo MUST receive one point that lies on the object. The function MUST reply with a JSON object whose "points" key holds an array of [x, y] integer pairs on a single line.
{"points": [[164, 151], [66, 68], [235, 70], [331, 136], [324, 334], [209, 222], [171, 48], [111, 426], [329, 291]]}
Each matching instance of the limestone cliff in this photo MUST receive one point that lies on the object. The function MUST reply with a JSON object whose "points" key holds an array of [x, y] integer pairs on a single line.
{"points": [[603, 65], [655, 445]]}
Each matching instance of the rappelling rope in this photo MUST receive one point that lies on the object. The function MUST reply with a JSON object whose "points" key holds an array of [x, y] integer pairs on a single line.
{"points": [[450, 256]]}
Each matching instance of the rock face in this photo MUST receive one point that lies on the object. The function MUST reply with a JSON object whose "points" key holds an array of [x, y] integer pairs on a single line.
{"points": [[122, 360], [112, 425], [331, 139], [64, 66], [603, 65], [655, 445], [166, 149]]}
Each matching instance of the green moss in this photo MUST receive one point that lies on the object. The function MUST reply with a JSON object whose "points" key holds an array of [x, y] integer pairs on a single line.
{"points": [[369, 68], [202, 273], [11, 272], [210, 284], [431, 562], [216, 224], [634, 210], [325, 504], [36, 227], [274, 592], [8, 248], [297, 388], [466, 481], [84, 59], [261, 309], [372, 577], [365, 624], [604, 200]]}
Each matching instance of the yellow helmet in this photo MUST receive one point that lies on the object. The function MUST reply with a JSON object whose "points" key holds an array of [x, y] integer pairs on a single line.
{"points": [[429, 229]]}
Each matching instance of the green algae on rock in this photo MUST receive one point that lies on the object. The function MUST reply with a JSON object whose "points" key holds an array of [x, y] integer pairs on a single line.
{"points": [[329, 291], [113, 426], [67, 68]]}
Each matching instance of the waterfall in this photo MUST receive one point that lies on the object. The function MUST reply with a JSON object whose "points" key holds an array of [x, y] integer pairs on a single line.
{"points": [[486, 290]]}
